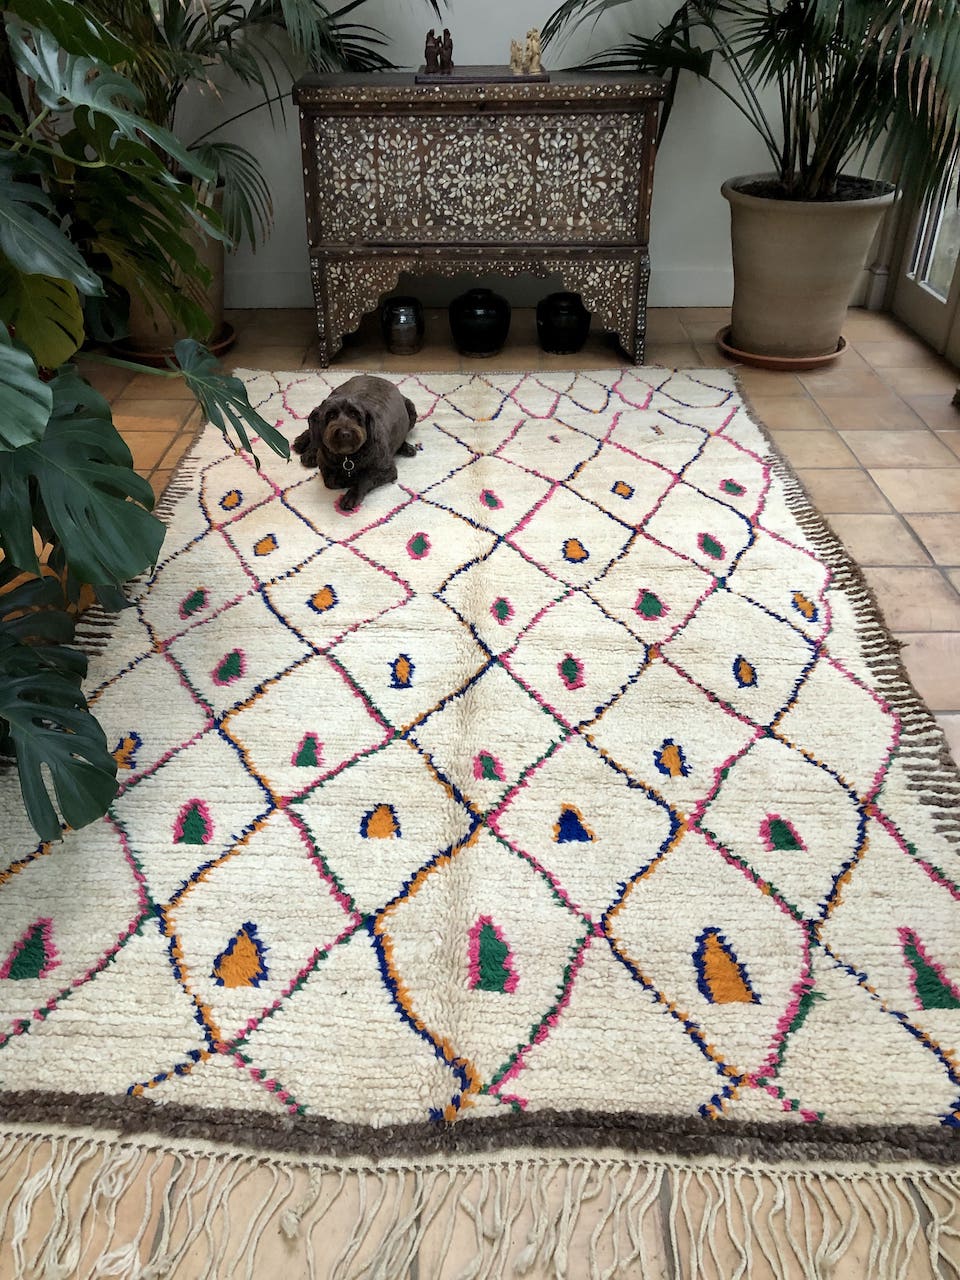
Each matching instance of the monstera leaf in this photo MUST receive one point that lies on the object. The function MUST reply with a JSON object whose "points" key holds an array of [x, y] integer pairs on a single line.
{"points": [[25, 401], [223, 398], [44, 719], [46, 313], [32, 243], [76, 30], [83, 474], [67, 81]]}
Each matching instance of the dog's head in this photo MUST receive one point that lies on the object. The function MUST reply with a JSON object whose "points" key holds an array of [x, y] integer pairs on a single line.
{"points": [[341, 424]]}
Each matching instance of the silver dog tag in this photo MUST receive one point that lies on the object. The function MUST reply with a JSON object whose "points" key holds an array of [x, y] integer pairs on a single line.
{"points": [[348, 466]]}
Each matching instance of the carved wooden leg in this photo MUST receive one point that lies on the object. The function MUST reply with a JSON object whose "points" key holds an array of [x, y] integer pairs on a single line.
{"points": [[327, 343], [640, 315]]}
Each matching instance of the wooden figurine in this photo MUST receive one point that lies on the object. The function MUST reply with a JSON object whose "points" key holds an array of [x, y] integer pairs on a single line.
{"points": [[431, 52], [531, 57], [516, 57], [446, 51]]}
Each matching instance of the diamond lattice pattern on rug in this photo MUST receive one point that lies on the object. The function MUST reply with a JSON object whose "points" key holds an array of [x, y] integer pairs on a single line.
{"points": [[556, 777]]}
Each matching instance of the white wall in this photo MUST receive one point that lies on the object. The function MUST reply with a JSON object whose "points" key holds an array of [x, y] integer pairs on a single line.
{"points": [[706, 142]]}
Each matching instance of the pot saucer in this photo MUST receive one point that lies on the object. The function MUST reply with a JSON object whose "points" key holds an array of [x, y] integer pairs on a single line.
{"points": [[784, 364], [159, 357]]}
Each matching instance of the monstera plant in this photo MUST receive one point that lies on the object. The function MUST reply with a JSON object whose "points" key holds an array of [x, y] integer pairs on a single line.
{"points": [[87, 192]]}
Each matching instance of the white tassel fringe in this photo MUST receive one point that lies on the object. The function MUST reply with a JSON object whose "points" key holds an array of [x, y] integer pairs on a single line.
{"points": [[75, 1207]]}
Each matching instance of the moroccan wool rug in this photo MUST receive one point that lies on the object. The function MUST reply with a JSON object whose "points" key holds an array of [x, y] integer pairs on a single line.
{"points": [[562, 819]]}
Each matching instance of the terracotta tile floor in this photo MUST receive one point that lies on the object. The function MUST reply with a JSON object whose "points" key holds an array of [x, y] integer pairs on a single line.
{"points": [[874, 438]]}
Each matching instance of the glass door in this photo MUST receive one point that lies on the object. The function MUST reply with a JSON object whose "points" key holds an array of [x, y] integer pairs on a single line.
{"points": [[927, 294]]}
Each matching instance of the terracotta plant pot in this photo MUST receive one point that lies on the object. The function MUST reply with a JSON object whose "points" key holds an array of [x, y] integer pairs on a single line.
{"points": [[152, 334], [796, 264]]}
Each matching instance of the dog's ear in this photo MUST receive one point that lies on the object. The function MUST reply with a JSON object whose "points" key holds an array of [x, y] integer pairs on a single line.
{"points": [[367, 421], [315, 418]]}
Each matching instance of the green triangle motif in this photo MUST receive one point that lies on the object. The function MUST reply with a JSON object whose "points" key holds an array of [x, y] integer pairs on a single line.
{"points": [[932, 990], [493, 956], [194, 601], [229, 668], [491, 964], [779, 835], [488, 767], [32, 956], [306, 755], [193, 824], [648, 606]]}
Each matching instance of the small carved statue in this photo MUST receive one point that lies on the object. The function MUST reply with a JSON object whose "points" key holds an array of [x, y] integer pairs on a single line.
{"points": [[531, 57], [431, 52], [446, 51], [516, 57]]}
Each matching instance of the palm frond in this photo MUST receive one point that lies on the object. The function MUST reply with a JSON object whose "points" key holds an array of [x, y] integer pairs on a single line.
{"points": [[881, 76], [247, 204]]}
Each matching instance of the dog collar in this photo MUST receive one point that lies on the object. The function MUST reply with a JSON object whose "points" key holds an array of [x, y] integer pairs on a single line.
{"points": [[348, 464]]}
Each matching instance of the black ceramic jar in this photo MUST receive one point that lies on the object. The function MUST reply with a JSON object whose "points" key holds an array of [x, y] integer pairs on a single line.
{"points": [[563, 323], [401, 324], [479, 322]]}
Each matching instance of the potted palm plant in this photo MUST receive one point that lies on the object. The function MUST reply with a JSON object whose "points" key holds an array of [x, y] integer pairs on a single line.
{"points": [[179, 45], [850, 81]]}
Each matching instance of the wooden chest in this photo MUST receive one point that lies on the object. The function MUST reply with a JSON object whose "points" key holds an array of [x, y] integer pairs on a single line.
{"points": [[551, 179]]}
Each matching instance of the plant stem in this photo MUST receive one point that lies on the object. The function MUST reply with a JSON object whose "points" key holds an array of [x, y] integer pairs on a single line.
{"points": [[132, 364], [267, 102], [19, 139], [37, 121]]}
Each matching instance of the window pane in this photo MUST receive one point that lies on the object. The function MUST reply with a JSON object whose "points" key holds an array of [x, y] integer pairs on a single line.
{"points": [[940, 241]]}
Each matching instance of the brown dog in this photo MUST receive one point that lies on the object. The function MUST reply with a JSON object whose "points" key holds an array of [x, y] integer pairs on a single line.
{"points": [[355, 435]]}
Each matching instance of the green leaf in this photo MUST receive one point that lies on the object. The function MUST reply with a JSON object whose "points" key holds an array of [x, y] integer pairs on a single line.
{"points": [[46, 313], [47, 722], [34, 244], [247, 203], [25, 401], [84, 476], [65, 82], [73, 27], [31, 612], [223, 398]]}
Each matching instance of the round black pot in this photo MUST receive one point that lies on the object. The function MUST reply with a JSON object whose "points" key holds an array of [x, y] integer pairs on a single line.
{"points": [[563, 323], [479, 322], [401, 323]]}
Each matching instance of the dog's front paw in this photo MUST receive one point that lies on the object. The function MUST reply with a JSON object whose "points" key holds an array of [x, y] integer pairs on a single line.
{"points": [[350, 500]]}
